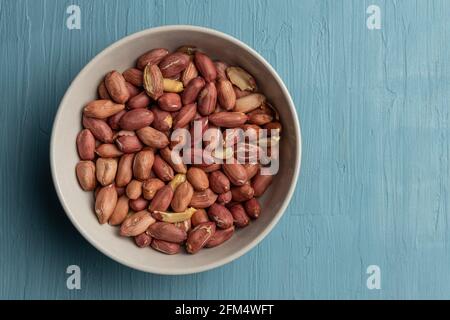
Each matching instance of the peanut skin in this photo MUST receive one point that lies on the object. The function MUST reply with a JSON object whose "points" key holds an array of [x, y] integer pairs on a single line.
{"points": [[199, 236]]}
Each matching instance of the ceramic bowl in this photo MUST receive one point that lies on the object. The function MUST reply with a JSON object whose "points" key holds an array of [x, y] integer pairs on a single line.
{"points": [[121, 55]]}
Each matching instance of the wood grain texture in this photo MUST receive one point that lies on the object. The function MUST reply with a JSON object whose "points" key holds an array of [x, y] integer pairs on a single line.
{"points": [[375, 171]]}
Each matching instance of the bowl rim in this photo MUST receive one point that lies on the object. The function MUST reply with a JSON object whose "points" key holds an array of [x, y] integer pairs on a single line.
{"points": [[156, 270]]}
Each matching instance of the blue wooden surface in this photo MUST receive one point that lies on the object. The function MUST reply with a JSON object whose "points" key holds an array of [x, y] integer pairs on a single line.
{"points": [[375, 172]]}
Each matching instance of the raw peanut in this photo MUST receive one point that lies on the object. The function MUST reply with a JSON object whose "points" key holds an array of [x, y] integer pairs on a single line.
{"points": [[187, 49], [213, 138], [174, 217], [136, 224], [173, 86], [219, 237], [221, 68], [259, 118], [162, 169], [233, 136], [143, 240], [120, 211], [248, 153], [252, 170], [222, 153], [120, 191], [129, 144], [117, 89], [197, 137], [170, 102], [207, 99], [273, 126], [142, 100], [198, 178], [99, 128], [124, 133], [153, 81], [105, 170], [219, 182], [138, 204], [225, 94], [162, 119], [103, 92], [267, 108], [136, 119], [242, 193], [251, 131], [179, 138], [113, 121], [205, 66], [192, 90], [184, 225], [142, 164], [197, 157], [165, 246], [134, 189], [176, 77], [151, 57], [224, 198], [260, 184], [167, 232], [173, 159], [161, 200], [86, 145], [182, 197], [177, 180], [240, 217], [228, 119], [189, 73], [220, 215], [102, 109], [108, 150], [124, 170], [105, 202], [203, 199], [134, 91], [150, 187], [173, 64], [153, 138], [249, 103], [236, 173], [211, 167], [199, 236], [200, 216], [86, 175], [241, 78], [185, 115], [240, 93], [134, 76], [252, 208]]}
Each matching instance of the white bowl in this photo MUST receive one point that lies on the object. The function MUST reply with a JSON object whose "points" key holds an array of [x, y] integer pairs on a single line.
{"points": [[122, 55]]}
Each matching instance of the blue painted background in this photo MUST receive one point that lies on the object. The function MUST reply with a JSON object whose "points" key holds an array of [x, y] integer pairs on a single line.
{"points": [[374, 186]]}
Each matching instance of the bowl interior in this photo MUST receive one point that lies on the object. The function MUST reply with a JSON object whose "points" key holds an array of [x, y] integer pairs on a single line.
{"points": [[79, 204]]}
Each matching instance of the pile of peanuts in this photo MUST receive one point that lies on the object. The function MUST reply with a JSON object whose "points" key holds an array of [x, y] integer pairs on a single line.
{"points": [[127, 159]]}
